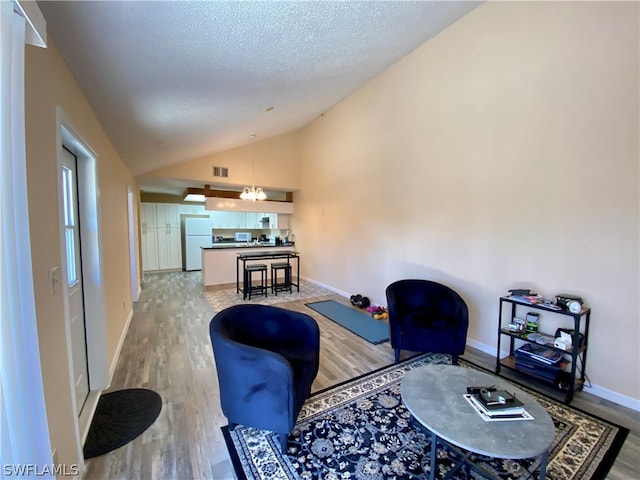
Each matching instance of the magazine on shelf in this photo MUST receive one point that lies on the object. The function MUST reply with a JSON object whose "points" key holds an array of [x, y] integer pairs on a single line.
{"points": [[493, 416], [546, 355], [523, 360], [533, 298], [541, 338]]}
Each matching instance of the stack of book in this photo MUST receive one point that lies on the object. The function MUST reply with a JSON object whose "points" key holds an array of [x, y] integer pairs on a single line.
{"points": [[497, 405], [540, 361]]}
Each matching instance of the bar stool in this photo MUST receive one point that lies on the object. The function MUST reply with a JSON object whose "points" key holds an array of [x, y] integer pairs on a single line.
{"points": [[249, 288], [282, 286]]}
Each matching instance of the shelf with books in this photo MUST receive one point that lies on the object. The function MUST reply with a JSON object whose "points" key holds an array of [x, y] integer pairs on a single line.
{"points": [[548, 343], [533, 355], [558, 383]]}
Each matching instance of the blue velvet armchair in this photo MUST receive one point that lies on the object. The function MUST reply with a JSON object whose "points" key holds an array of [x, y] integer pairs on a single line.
{"points": [[426, 316], [266, 359]]}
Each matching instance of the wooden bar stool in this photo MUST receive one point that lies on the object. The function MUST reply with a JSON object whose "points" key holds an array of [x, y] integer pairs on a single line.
{"points": [[286, 283], [249, 288]]}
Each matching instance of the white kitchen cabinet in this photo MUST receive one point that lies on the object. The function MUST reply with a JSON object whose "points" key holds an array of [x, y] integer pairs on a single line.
{"points": [[192, 210], [149, 249], [168, 215], [219, 219], [272, 220], [148, 215], [283, 221], [237, 220], [244, 220], [252, 220], [169, 249], [161, 239]]}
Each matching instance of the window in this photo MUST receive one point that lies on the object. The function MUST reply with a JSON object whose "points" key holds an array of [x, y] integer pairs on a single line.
{"points": [[70, 226]]}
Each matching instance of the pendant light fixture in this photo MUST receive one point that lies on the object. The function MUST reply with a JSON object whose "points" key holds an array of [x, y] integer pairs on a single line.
{"points": [[252, 193]]}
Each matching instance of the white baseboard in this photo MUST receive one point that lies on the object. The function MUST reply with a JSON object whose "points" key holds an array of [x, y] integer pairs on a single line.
{"points": [[615, 397], [327, 287], [481, 346], [601, 392], [116, 356]]}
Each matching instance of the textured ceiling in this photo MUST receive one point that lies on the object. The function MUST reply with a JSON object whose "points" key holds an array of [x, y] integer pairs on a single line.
{"points": [[175, 81]]}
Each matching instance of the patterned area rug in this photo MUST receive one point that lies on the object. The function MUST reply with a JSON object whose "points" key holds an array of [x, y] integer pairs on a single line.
{"points": [[361, 430], [220, 299]]}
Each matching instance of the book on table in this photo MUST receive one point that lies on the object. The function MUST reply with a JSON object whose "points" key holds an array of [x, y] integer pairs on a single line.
{"points": [[498, 402], [506, 414]]}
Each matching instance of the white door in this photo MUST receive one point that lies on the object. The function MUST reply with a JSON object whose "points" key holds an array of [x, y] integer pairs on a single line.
{"points": [[74, 278]]}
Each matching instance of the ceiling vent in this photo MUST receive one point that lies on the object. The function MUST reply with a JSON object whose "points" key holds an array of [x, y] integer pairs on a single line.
{"points": [[220, 172]]}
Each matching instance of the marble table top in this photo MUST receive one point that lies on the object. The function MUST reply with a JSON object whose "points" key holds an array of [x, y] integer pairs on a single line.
{"points": [[434, 396]]}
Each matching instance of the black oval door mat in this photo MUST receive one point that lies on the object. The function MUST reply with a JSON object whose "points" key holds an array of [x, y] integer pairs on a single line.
{"points": [[119, 418]]}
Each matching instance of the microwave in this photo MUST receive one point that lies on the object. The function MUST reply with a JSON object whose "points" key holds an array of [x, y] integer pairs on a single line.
{"points": [[242, 236]]}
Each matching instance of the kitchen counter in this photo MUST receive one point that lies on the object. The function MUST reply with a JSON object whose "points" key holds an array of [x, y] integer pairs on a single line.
{"points": [[243, 245], [219, 262]]}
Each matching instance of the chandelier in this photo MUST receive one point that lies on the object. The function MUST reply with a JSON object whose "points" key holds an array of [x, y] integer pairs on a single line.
{"points": [[252, 193]]}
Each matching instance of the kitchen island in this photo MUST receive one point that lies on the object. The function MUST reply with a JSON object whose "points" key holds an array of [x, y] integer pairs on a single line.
{"points": [[219, 262]]}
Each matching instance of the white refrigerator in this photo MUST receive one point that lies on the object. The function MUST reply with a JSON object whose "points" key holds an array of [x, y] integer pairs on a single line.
{"points": [[197, 234]]}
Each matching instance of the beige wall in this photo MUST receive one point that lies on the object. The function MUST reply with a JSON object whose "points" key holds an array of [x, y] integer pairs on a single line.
{"points": [[502, 153], [271, 164], [48, 85]]}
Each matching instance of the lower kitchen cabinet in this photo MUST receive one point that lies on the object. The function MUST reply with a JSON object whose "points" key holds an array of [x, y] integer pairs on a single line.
{"points": [[161, 249], [149, 249], [169, 249]]}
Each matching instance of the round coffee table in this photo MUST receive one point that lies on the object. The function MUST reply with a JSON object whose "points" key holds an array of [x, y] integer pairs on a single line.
{"points": [[434, 396]]}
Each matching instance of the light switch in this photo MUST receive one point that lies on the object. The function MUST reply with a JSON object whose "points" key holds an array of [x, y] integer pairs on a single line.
{"points": [[54, 280]]}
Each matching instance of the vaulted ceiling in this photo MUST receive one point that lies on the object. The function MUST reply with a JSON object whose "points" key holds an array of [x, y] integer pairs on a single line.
{"points": [[175, 81]]}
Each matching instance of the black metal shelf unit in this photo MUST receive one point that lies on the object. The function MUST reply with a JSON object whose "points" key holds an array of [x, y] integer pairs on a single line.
{"points": [[574, 379]]}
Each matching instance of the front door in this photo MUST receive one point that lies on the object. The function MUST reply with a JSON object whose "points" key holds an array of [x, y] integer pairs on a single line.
{"points": [[74, 277]]}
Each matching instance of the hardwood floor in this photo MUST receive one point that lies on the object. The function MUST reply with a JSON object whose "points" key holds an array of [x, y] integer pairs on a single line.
{"points": [[167, 349]]}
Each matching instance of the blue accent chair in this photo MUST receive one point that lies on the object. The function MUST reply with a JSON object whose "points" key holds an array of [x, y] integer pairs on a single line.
{"points": [[266, 359], [426, 316]]}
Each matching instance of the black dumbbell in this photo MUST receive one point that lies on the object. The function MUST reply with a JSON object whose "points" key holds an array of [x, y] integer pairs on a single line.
{"points": [[363, 302]]}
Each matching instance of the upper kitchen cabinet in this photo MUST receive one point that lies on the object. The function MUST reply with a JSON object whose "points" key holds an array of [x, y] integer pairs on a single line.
{"points": [[237, 220], [219, 219], [148, 215], [192, 209], [253, 220], [267, 220], [273, 220], [168, 215]]}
